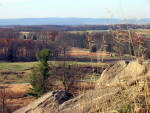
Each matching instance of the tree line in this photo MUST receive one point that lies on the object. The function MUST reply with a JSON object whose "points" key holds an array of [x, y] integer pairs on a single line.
{"points": [[24, 50], [13, 47]]}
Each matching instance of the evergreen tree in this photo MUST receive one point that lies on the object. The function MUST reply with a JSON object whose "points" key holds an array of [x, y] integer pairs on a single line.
{"points": [[40, 74]]}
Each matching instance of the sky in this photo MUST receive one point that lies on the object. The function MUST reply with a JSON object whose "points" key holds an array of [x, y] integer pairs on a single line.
{"points": [[122, 9]]}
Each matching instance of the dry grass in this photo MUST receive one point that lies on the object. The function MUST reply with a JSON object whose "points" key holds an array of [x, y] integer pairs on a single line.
{"points": [[15, 96], [85, 52]]}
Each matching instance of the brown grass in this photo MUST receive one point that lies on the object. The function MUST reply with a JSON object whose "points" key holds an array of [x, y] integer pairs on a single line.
{"points": [[15, 96], [84, 52]]}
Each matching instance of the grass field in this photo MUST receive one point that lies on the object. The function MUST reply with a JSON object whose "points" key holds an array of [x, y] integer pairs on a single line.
{"points": [[19, 72], [23, 66]]}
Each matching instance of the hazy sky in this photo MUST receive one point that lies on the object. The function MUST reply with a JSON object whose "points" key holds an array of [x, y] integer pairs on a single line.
{"points": [[75, 8]]}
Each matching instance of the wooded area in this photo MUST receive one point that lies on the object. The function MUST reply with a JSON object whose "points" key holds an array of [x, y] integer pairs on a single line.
{"points": [[24, 46]]}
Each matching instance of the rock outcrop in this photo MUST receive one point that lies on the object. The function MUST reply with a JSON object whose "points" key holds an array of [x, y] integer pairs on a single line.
{"points": [[120, 84], [48, 103], [123, 72]]}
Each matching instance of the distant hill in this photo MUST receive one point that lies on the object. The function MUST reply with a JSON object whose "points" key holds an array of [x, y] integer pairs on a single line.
{"points": [[70, 21]]}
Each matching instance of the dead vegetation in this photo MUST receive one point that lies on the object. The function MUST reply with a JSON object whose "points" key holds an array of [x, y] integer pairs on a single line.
{"points": [[13, 99]]}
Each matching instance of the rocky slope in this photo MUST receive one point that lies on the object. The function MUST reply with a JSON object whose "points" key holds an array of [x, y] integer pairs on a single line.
{"points": [[122, 86]]}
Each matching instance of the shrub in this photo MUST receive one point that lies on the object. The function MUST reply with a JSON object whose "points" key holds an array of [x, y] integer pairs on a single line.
{"points": [[40, 74]]}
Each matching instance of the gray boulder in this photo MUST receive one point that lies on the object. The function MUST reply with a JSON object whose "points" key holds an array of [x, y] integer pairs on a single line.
{"points": [[48, 103]]}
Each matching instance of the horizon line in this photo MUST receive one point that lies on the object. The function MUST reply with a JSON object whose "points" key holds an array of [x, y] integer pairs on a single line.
{"points": [[74, 18]]}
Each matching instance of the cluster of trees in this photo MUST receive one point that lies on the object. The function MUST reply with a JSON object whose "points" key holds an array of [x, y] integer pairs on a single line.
{"points": [[72, 40], [8, 33], [57, 38], [42, 36], [23, 46], [24, 50]]}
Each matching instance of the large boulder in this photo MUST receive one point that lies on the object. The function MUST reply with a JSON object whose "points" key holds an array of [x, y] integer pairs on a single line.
{"points": [[123, 72], [47, 104]]}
